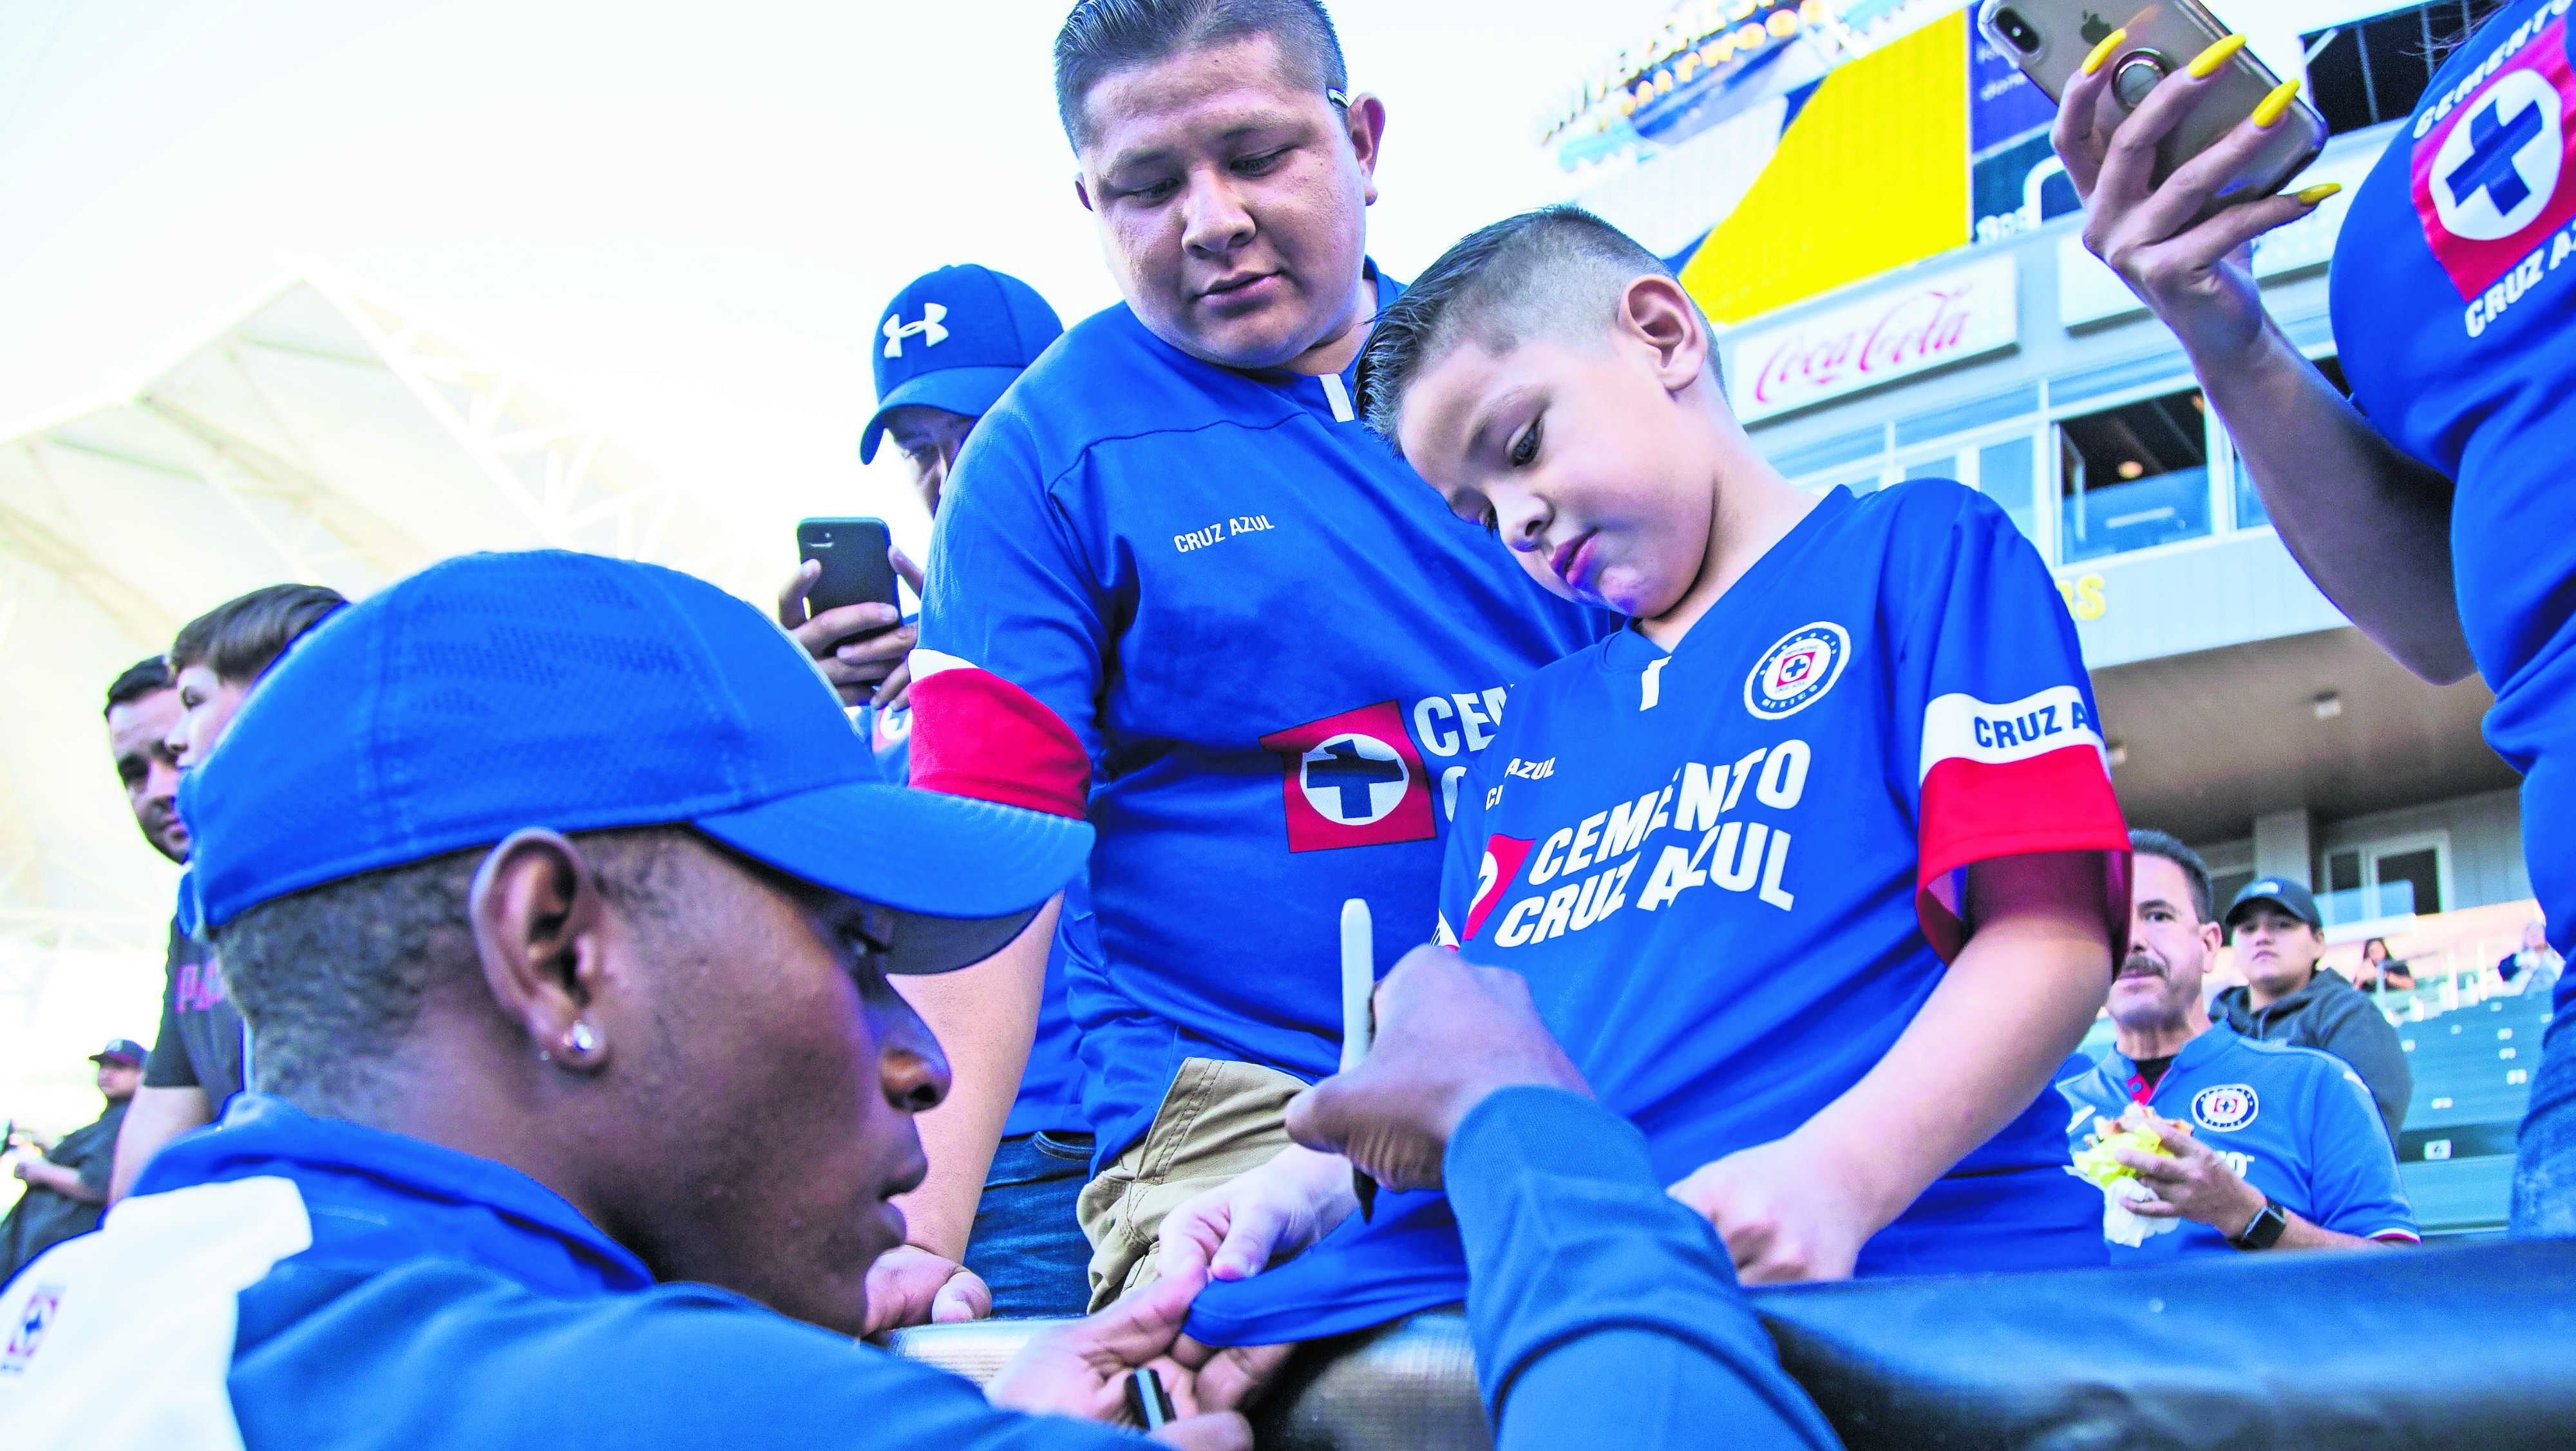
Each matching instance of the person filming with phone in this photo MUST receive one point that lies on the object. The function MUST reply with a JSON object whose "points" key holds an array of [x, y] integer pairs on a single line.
{"points": [[2431, 508], [988, 1234]]}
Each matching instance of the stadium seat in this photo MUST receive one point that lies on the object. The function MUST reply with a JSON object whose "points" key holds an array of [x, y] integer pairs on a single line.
{"points": [[2186, 1355]]}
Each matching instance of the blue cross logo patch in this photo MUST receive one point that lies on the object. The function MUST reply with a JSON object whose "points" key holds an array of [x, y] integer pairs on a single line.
{"points": [[1354, 779], [2498, 169]]}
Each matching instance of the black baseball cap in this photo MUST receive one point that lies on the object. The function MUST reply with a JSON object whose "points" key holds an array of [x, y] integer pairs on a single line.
{"points": [[2281, 892], [122, 1051]]}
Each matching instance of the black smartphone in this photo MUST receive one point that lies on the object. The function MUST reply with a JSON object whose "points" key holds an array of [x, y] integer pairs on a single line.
{"points": [[856, 570]]}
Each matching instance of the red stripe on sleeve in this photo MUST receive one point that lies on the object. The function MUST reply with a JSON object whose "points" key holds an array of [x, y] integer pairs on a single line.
{"points": [[976, 734], [1974, 812]]}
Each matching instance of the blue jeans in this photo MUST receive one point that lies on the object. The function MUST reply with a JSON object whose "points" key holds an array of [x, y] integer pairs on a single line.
{"points": [[1027, 1244], [2544, 1171]]}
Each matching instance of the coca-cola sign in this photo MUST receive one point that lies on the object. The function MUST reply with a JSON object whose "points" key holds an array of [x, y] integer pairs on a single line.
{"points": [[1941, 319]]}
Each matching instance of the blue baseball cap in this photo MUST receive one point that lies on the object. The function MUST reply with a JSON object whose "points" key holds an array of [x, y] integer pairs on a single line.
{"points": [[954, 339], [496, 692]]}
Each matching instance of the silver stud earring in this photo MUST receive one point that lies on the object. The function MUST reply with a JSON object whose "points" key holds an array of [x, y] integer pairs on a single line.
{"points": [[580, 1040]]}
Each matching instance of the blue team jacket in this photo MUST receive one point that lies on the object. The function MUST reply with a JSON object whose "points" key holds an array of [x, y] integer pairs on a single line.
{"points": [[297, 1282]]}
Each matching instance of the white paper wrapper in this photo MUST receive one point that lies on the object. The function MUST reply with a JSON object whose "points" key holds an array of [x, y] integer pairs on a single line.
{"points": [[2122, 1225]]}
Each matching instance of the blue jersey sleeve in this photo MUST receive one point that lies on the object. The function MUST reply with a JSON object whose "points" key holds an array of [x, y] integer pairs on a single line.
{"points": [[2353, 1185], [1015, 633], [1604, 1312], [2009, 755]]}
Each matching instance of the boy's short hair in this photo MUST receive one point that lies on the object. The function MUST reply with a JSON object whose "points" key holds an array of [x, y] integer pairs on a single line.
{"points": [[1555, 272], [1103, 37], [2143, 842], [142, 678], [241, 638]]}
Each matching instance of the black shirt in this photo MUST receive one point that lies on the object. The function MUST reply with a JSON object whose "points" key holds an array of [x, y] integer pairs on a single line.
{"points": [[44, 1218], [200, 1044]]}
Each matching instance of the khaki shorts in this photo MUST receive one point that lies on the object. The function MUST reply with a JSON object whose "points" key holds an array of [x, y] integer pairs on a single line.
{"points": [[1219, 1119]]}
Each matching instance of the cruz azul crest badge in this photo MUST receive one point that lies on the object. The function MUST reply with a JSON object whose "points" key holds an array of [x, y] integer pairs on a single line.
{"points": [[1797, 672], [2227, 1107]]}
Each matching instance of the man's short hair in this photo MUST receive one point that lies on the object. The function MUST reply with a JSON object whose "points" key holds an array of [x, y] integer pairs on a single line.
{"points": [[333, 977], [1103, 37], [1556, 272], [2196, 871], [142, 678], [241, 638]]}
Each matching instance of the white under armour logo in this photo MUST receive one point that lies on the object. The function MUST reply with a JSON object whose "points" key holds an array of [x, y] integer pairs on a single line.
{"points": [[930, 328]]}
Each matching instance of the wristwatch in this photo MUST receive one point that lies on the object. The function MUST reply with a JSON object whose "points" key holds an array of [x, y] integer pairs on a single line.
{"points": [[2264, 1230]]}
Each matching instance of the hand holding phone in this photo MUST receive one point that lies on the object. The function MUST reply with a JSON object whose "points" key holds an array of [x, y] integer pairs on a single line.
{"points": [[842, 606], [2175, 232], [2056, 42]]}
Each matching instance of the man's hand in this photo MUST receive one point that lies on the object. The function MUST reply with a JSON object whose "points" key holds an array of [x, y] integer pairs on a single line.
{"points": [[896, 692], [1079, 1369], [1786, 1209], [909, 1285], [1236, 1230], [1450, 1034], [2194, 1184], [856, 668]]}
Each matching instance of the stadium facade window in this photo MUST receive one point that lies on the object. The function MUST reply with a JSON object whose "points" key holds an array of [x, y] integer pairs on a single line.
{"points": [[2134, 476], [1997, 466], [2367, 71], [2250, 513], [2391, 878]]}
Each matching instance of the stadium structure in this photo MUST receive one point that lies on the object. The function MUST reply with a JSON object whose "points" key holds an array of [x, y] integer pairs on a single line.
{"points": [[324, 432], [1862, 194]]}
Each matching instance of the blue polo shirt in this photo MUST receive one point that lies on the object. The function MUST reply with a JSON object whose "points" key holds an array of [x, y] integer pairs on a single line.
{"points": [[1730, 872], [1050, 1097], [2455, 309], [2293, 1122], [1208, 610]]}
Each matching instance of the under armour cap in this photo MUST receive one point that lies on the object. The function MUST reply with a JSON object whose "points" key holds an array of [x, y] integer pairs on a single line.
{"points": [[954, 339], [2280, 892], [502, 691]]}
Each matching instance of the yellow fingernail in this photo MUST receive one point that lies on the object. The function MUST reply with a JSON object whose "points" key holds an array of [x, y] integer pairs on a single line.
{"points": [[2206, 64], [2275, 105], [2103, 51], [2310, 196]]}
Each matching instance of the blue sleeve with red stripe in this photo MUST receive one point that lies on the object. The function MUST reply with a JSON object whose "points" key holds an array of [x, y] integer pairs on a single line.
{"points": [[1015, 634], [2011, 758]]}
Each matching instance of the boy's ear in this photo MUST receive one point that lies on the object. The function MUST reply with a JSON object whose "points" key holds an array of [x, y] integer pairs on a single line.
{"points": [[1656, 311]]}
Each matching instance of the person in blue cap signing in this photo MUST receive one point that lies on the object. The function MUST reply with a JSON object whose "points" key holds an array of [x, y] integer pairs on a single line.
{"points": [[999, 1199], [567, 936]]}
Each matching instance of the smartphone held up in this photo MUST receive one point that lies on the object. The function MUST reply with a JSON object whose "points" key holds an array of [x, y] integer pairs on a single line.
{"points": [[857, 566], [2052, 40]]}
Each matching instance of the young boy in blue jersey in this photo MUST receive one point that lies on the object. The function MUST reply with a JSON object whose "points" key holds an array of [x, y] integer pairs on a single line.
{"points": [[2265, 1146], [1815, 868]]}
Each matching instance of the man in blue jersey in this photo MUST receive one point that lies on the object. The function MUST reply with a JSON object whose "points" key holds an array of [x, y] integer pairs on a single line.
{"points": [[1180, 591], [999, 1199], [1810, 867], [2266, 1146], [581, 1083], [2431, 506]]}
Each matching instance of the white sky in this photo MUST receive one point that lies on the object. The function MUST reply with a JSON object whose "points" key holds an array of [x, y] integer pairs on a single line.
{"points": [[682, 219]]}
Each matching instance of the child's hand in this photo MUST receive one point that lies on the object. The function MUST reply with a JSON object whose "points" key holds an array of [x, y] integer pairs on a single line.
{"points": [[1787, 1212]]}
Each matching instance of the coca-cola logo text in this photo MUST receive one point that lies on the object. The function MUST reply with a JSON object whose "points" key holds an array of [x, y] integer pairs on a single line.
{"points": [[1919, 329]]}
